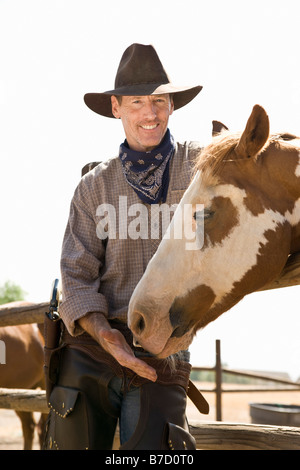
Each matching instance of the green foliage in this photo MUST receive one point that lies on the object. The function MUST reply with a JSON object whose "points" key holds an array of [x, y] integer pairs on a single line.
{"points": [[203, 376], [10, 292]]}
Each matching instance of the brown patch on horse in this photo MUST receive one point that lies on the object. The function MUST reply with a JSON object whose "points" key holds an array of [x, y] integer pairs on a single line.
{"points": [[252, 280], [225, 218], [185, 310]]}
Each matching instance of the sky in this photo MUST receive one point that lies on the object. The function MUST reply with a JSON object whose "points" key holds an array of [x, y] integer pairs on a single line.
{"points": [[53, 52]]}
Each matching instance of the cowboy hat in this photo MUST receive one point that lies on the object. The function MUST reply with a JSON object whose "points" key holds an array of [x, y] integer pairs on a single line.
{"points": [[140, 73]]}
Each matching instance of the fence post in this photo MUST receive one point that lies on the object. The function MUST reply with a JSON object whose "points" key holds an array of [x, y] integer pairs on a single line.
{"points": [[218, 369]]}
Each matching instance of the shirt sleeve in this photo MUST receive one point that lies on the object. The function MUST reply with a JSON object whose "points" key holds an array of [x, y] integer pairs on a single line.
{"points": [[81, 261]]}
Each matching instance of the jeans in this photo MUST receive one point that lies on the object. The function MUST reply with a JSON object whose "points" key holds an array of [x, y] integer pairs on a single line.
{"points": [[128, 404]]}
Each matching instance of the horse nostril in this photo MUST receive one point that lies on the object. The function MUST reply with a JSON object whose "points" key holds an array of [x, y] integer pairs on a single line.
{"points": [[140, 325]]}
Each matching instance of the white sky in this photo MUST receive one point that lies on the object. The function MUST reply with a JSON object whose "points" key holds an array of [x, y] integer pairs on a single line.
{"points": [[52, 52]]}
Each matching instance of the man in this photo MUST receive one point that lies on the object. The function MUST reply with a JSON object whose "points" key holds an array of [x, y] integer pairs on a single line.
{"points": [[102, 376]]}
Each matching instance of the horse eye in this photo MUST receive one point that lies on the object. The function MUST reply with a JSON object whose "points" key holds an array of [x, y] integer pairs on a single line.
{"points": [[203, 215]]}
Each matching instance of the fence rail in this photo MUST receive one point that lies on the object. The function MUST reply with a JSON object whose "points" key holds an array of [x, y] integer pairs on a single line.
{"points": [[208, 435], [23, 400], [235, 436], [33, 313]]}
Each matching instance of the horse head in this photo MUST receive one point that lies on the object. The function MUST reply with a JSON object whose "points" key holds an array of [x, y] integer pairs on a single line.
{"points": [[241, 225]]}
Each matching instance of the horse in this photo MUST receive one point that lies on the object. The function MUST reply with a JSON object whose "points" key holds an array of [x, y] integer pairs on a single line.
{"points": [[242, 226], [23, 368]]}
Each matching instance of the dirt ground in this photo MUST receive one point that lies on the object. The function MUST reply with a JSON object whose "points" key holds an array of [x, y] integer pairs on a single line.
{"points": [[235, 408]]}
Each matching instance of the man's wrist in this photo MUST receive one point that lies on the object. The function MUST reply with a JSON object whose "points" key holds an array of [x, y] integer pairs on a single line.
{"points": [[93, 323]]}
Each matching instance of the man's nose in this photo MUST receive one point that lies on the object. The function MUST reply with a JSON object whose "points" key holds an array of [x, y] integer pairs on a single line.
{"points": [[150, 110]]}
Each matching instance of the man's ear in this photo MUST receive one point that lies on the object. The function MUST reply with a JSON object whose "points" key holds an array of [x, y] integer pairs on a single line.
{"points": [[115, 107], [255, 134]]}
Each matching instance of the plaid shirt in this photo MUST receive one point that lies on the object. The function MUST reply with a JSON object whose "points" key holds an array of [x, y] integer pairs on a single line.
{"points": [[100, 275]]}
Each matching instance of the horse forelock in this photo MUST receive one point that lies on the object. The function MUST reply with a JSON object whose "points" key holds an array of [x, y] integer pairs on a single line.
{"points": [[212, 157]]}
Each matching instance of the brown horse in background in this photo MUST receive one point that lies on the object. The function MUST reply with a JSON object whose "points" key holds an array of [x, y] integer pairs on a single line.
{"points": [[23, 368]]}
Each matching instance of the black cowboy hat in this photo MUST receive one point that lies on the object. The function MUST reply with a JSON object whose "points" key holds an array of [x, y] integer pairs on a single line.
{"points": [[140, 73]]}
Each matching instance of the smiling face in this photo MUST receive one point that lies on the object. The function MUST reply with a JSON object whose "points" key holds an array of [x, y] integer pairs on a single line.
{"points": [[144, 118]]}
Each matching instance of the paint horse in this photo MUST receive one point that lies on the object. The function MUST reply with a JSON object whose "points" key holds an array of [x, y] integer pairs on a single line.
{"points": [[245, 219]]}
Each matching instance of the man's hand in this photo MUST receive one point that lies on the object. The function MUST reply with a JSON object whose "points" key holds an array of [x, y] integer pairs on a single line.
{"points": [[114, 343]]}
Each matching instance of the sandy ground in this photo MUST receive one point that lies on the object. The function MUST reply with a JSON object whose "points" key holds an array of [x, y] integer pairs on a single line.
{"points": [[235, 408]]}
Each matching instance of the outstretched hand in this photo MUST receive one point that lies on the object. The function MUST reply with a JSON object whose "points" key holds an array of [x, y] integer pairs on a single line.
{"points": [[115, 344]]}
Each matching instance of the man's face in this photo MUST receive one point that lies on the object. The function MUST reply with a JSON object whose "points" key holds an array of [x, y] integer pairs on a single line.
{"points": [[144, 118]]}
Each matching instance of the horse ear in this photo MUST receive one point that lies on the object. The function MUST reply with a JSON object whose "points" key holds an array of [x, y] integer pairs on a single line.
{"points": [[255, 134], [218, 127]]}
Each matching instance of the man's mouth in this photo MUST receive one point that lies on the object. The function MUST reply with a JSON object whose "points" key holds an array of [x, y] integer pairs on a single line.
{"points": [[149, 128]]}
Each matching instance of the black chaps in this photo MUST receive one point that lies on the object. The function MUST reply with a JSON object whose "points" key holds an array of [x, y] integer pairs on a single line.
{"points": [[82, 417]]}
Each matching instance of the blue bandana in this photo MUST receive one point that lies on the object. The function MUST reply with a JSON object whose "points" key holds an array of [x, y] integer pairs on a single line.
{"points": [[148, 172]]}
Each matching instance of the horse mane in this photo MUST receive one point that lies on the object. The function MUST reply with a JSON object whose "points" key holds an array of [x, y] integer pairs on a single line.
{"points": [[213, 156]]}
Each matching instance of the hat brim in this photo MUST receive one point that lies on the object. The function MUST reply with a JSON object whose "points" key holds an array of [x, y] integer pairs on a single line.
{"points": [[100, 103]]}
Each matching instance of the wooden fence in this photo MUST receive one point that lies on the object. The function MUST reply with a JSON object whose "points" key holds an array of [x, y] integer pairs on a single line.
{"points": [[208, 435], [288, 385]]}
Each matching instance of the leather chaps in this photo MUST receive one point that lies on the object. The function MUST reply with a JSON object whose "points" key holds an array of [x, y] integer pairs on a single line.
{"points": [[82, 417]]}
